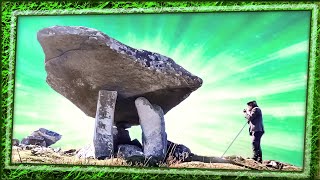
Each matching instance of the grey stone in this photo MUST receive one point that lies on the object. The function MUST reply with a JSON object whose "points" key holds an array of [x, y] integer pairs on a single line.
{"points": [[41, 137], [15, 142], [179, 151], [23, 146], [17, 148], [80, 61], [30, 147], [86, 152], [135, 142], [154, 137], [122, 137], [34, 140], [70, 152], [275, 164], [41, 151], [49, 137], [130, 152], [103, 135], [57, 149]]}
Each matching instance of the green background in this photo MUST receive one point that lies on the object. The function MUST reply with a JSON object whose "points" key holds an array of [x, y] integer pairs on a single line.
{"points": [[252, 45]]}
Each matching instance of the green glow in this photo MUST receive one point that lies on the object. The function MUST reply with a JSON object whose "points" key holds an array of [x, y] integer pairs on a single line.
{"points": [[240, 56]]}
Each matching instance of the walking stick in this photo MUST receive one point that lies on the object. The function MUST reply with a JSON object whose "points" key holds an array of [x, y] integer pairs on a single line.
{"points": [[234, 139]]}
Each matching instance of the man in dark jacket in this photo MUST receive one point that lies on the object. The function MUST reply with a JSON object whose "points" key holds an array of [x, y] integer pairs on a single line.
{"points": [[254, 116]]}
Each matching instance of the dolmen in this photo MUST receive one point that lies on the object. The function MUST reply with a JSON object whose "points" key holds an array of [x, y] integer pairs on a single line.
{"points": [[116, 84]]}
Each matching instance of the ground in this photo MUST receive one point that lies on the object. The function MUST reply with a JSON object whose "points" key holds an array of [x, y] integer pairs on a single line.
{"points": [[56, 156]]}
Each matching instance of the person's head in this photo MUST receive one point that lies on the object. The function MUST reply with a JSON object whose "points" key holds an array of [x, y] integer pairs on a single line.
{"points": [[251, 105]]}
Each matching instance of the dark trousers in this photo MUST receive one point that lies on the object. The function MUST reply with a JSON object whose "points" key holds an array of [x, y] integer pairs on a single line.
{"points": [[256, 147]]}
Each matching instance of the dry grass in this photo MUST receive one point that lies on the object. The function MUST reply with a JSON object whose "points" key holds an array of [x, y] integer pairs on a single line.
{"points": [[197, 164], [26, 156], [56, 158], [50, 157]]}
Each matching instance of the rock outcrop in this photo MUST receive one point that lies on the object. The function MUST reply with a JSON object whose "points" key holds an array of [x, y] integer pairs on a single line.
{"points": [[42, 137], [80, 61]]}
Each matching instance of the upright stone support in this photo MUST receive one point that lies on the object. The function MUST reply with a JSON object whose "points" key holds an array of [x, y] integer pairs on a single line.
{"points": [[154, 137], [103, 137]]}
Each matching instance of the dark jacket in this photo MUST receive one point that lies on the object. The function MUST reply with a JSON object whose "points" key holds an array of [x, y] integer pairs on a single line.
{"points": [[255, 120]]}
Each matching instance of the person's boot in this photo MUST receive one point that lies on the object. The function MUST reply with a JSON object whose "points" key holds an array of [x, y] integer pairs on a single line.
{"points": [[259, 159]]}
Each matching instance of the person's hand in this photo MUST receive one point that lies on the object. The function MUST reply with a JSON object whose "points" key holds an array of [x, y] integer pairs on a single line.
{"points": [[244, 111]]}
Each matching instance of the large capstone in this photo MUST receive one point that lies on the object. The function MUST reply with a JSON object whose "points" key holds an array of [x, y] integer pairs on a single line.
{"points": [[80, 61]]}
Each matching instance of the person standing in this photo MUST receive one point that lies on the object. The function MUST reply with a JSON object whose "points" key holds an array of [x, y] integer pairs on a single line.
{"points": [[254, 116]]}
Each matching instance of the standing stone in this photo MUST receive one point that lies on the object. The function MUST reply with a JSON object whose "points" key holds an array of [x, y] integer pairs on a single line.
{"points": [[103, 137], [154, 137]]}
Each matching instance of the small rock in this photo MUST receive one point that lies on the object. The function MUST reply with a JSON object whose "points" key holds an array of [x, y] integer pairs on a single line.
{"points": [[275, 164], [130, 152], [41, 151], [15, 142], [34, 140], [30, 147], [42, 137], [86, 152], [179, 151], [16, 148], [49, 137], [70, 151], [57, 149], [22, 146], [36, 151], [239, 158], [232, 157]]}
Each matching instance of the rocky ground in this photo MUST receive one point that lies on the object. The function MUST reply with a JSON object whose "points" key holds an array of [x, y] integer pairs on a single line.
{"points": [[39, 155]]}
